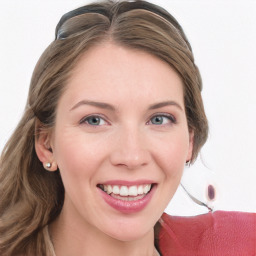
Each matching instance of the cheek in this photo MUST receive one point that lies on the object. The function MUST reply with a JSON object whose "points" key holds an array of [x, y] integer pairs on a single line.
{"points": [[78, 154], [171, 154]]}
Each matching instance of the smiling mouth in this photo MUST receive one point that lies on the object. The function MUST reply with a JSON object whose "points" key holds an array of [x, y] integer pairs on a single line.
{"points": [[126, 193]]}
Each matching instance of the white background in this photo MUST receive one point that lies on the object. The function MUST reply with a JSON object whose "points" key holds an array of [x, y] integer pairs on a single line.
{"points": [[223, 38]]}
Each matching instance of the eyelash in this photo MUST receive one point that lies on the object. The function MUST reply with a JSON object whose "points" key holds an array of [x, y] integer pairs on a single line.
{"points": [[170, 117]]}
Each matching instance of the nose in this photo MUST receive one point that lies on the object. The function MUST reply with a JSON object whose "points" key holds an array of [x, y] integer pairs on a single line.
{"points": [[130, 150]]}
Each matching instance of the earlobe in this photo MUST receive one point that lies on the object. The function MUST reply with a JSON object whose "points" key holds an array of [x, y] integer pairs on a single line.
{"points": [[191, 146], [44, 151]]}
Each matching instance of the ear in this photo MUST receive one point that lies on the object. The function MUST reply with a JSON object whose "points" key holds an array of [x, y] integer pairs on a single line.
{"points": [[191, 146], [43, 148]]}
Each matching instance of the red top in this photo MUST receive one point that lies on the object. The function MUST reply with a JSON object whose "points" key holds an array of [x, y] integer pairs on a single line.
{"points": [[213, 234]]}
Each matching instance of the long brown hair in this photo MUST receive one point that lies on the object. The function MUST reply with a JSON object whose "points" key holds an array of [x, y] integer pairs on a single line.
{"points": [[31, 197]]}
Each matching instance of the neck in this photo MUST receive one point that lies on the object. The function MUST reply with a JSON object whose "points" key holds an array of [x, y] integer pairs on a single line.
{"points": [[76, 239]]}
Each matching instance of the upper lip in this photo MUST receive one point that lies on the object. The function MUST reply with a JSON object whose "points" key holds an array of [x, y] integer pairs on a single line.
{"points": [[127, 183]]}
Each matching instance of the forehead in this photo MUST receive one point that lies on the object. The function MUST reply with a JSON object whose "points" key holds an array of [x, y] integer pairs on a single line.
{"points": [[108, 71]]}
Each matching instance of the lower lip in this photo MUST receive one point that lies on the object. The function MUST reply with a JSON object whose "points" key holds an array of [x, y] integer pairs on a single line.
{"points": [[128, 206]]}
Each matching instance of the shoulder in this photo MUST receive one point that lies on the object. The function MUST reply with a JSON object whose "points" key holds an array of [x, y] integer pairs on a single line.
{"points": [[216, 233]]}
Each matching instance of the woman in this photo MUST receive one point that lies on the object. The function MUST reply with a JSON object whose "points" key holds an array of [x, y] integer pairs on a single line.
{"points": [[114, 113]]}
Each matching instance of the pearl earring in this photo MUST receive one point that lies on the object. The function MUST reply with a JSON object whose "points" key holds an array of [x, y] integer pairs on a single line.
{"points": [[187, 163], [48, 165]]}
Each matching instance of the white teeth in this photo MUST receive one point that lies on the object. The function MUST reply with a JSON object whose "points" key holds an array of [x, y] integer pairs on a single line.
{"points": [[116, 190], [127, 191], [109, 189], [140, 190], [128, 198], [124, 191], [146, 189], [133, 191]]}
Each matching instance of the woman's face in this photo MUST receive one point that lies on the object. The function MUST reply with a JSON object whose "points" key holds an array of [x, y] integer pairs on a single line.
{"points": [[120, 127]]}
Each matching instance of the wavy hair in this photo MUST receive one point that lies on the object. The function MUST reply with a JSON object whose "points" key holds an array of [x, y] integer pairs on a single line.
{"points": [[31, 197]]}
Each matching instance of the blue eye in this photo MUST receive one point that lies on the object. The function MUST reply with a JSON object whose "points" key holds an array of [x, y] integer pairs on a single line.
{"points": [[93, 120], [162, 119]]}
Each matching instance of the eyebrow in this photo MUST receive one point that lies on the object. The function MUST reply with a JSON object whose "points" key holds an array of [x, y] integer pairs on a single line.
{"points": [[104, 105], [93, 103], [165, 103]]}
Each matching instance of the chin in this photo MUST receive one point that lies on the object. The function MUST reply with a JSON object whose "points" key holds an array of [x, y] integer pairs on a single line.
{"points": [[128, 231], [129, 236]]}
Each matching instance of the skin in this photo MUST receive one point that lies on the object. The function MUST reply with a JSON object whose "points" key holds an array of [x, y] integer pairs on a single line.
{"points": [[127, 144]]}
